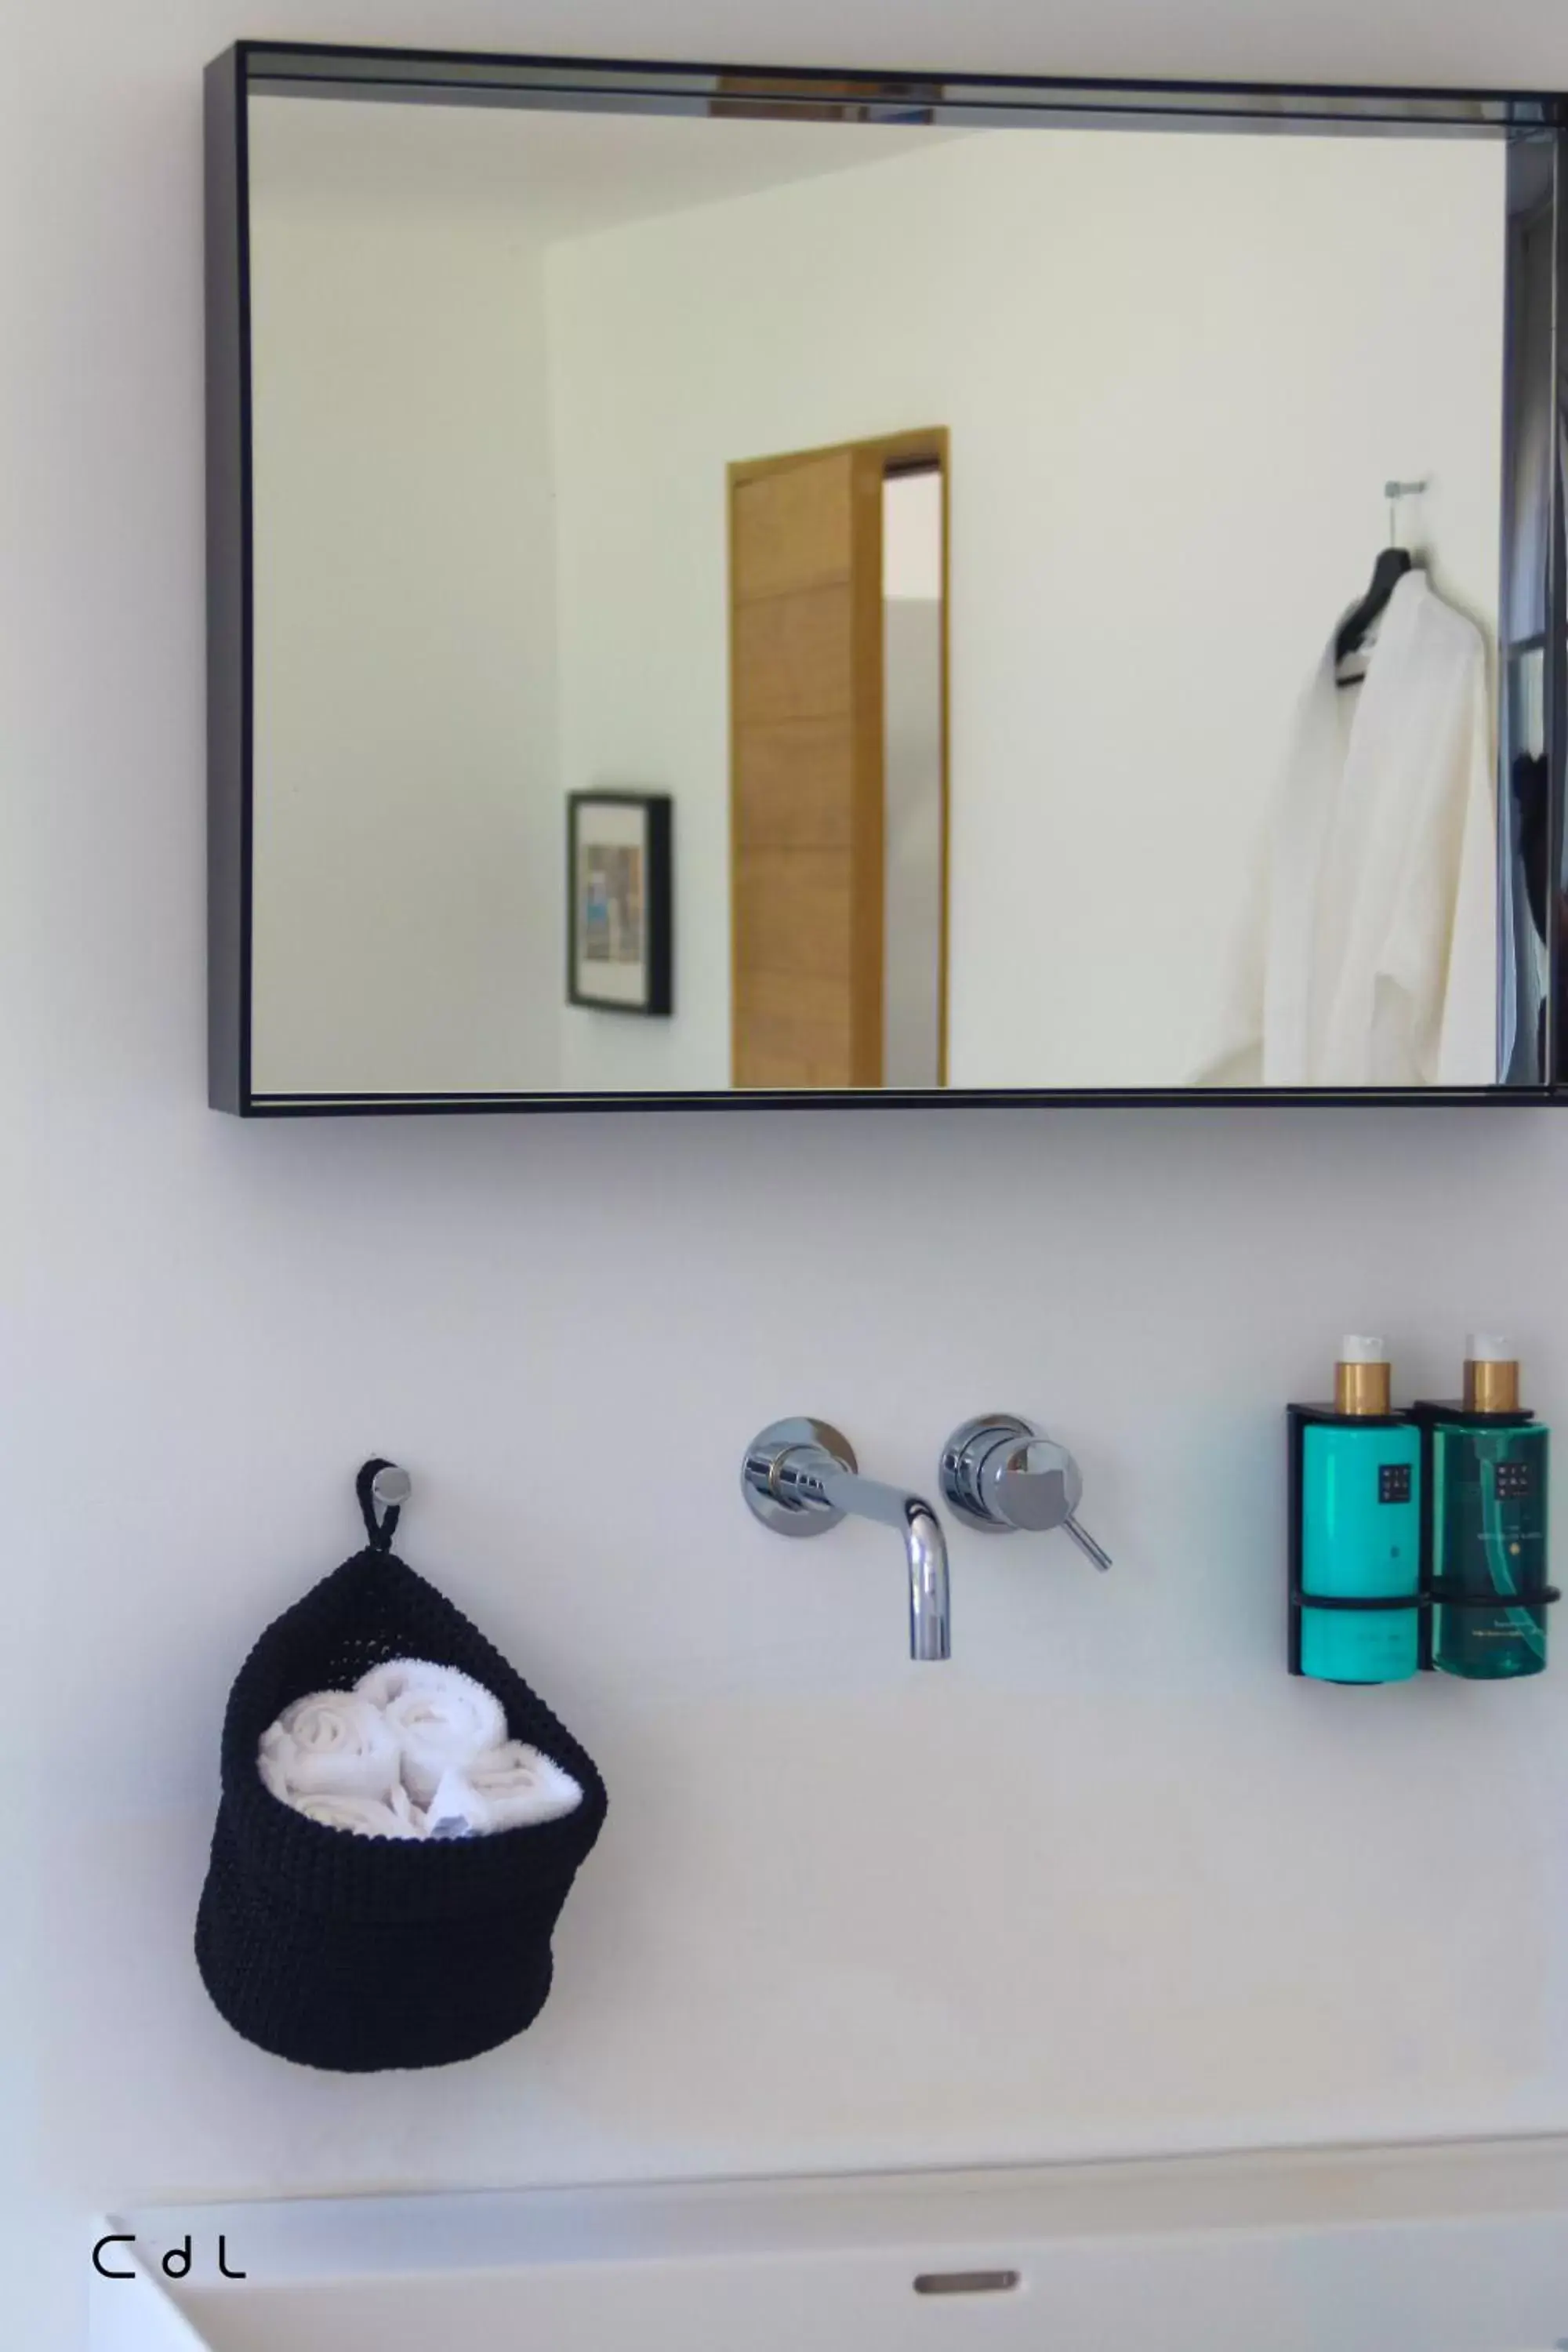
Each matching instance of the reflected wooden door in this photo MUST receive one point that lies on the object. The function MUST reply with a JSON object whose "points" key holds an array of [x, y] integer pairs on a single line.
{"points": [[806, 763]]}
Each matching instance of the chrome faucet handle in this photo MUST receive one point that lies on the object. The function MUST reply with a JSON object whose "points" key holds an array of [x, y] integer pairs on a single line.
{"points": [[1002, 1475]]}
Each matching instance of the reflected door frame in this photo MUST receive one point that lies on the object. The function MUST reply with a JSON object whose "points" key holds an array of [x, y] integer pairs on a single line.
{"points": [[849, 846]]}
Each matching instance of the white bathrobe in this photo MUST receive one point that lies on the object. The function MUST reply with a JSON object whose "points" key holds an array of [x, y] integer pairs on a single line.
{"points": [[1367, 955]]}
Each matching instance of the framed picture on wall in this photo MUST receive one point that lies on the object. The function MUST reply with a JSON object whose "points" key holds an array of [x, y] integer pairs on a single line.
{"points": [[619, 893]]}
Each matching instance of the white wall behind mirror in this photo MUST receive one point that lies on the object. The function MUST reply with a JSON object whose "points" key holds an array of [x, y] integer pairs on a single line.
{"points": [[505, 364]]}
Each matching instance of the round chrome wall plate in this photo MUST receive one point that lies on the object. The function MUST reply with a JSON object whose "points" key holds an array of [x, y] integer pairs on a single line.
{"points": [[961, 1456], [763, 1456]]}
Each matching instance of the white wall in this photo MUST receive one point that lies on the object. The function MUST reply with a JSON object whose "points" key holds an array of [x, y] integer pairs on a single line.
{"points": [[1163, 1897], [1178, 370], [407, 841]]}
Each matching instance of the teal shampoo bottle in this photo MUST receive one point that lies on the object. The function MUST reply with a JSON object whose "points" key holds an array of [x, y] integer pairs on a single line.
{"points": [[1488, 1464], [1355, 1536]]}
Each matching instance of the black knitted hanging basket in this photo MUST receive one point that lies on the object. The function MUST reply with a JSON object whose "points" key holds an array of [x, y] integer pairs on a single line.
{"points": [[356, 1953]]}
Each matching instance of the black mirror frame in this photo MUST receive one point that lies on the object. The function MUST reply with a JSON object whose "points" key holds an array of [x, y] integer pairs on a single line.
{"points": [[1536, 127]]}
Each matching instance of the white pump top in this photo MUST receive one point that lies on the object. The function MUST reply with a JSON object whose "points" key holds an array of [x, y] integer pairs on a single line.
{"points": [[1487, 1347], [1357, 1347]]}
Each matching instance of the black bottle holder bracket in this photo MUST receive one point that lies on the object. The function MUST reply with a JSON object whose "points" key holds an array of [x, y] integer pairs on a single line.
{"points": [[1430, 1590]]}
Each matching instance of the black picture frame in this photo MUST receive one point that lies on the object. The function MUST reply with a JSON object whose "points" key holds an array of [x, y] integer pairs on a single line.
{"points": [[654, 917], [1532, 843]]}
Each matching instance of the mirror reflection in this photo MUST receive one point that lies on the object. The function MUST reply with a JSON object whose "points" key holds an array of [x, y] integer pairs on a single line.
{"points": [[789, 605]]}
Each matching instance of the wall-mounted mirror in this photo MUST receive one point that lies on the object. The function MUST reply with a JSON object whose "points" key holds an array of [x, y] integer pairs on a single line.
{"points": [[738, 586]]}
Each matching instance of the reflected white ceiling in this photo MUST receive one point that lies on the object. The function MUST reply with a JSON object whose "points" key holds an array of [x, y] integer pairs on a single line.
{"points": [[560, 175]]}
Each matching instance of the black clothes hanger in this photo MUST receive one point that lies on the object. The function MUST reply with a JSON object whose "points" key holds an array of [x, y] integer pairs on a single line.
{"points": [[1394, 561], [1390, 569]]}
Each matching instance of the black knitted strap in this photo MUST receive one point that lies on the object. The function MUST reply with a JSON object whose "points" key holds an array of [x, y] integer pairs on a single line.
{"points": [[380, 1531]]}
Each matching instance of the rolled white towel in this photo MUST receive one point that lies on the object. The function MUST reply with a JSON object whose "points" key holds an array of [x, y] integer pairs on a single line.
{"points": [[333, 1744], [516, 1785], [365, 1816], [438, 1716]]}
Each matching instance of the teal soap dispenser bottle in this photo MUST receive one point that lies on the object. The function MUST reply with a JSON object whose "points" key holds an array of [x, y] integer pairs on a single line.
{"points": [[1355, 1528], [1487, 1461]]}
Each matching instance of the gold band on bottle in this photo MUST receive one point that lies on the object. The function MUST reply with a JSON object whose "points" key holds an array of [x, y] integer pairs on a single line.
{"points": [[1492, 1387], [1363, 1388]]}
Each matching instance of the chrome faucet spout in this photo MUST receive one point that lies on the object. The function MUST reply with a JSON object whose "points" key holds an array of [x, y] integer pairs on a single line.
{"points": [[811, 1474], [801, 1478], [931, 1626]]}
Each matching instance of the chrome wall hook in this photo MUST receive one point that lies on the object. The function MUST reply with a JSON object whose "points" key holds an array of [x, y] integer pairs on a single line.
{"points": [[391, 1486], [1395, 493], [800, 1477], [1002, 1475]]}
